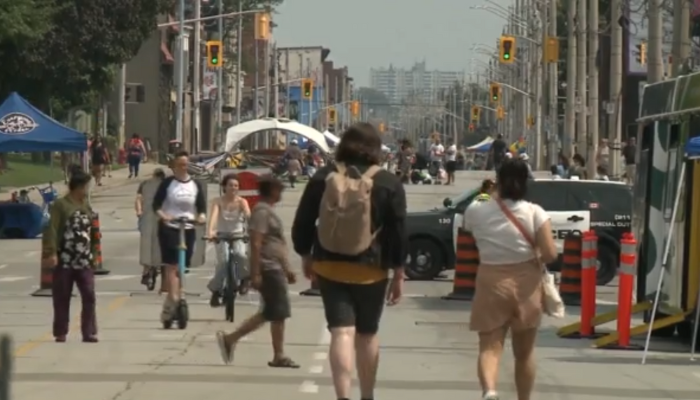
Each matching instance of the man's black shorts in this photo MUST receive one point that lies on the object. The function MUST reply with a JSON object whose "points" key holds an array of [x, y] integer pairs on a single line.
{"points": [[451, 166], [274, 296], [347, 304]]}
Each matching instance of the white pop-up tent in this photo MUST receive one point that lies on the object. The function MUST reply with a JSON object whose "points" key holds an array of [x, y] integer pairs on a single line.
{"points": [[332, 139], [236, 133]]}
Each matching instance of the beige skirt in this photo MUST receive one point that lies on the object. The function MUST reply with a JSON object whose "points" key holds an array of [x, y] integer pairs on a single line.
{"points": [[508, 295]]}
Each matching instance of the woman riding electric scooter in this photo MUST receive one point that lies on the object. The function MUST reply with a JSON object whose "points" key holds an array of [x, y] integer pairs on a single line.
{"points": [[178, 197]]}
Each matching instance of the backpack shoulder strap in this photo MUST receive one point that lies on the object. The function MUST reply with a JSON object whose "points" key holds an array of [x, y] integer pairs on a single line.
{"points": [[340, 168], [371, 171]]}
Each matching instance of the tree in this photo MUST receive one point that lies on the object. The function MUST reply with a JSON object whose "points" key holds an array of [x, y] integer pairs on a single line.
{"points": [[71, 58]]}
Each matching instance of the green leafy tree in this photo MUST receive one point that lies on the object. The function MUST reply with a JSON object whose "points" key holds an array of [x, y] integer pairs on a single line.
{"points": [[70, 60]]}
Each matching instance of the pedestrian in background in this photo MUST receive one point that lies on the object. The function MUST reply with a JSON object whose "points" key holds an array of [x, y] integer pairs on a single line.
{"points": [[514, 238], [629, 152], [99, 158], [68, 248], [136, 153]]}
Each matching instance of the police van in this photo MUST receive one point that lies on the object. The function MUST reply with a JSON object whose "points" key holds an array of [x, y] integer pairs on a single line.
{"points": [[573, 205]]}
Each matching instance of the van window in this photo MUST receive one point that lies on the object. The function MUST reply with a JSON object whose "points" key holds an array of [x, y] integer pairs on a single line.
{"points": [[550, 195], [610, 197]]}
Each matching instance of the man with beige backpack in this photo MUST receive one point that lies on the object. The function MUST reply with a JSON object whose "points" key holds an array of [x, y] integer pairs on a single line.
{"points": [[349, 231]]}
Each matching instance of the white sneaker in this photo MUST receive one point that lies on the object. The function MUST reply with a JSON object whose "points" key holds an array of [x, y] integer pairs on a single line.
{"points": [[490, 395]]}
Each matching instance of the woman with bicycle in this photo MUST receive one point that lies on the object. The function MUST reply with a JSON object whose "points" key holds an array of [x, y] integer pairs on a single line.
{"points": [[229, 214]]}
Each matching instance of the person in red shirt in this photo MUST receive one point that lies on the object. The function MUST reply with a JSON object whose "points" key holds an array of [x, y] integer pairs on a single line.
{"points": [[136, 152]]}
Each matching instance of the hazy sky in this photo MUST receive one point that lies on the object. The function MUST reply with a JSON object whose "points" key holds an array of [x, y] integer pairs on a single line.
{"points": [[375, 33]]}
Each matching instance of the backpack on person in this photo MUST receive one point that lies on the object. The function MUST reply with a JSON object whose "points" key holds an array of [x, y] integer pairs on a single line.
{"points": [[135, 147], [345, 216]]}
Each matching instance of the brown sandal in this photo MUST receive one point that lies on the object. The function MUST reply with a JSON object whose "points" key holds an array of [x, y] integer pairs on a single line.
{"points": [[284, 362]]}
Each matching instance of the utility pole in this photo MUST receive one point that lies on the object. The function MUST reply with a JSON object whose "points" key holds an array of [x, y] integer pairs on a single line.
{"points": [[615, 97], [197, 79], [571, 43], [219, 134], [268, 86], [681, 36], [239, 57], [553, 90], [593, 100], [276, 87], [655, 69], [180, 68], [582, 98], [121, 105]]}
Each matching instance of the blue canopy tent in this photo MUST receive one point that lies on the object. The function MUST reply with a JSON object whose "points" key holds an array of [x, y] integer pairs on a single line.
{"points": [[23, 128]]}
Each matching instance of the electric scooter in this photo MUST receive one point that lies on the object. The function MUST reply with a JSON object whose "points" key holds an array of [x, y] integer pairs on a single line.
{"points": [[182, 313]]}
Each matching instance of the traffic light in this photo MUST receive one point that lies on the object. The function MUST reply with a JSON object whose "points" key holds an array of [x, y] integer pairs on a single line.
{"points": [[331, 115], [381, 127], [495, 93], [355, 108], [476, 113], [642, 53], [507, 49], [214, 59], [307, 89], [262, 26], [551, 50], [500, 113]]}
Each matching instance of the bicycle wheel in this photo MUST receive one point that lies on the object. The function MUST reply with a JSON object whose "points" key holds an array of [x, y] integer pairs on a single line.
{"points": [[230, 290]]}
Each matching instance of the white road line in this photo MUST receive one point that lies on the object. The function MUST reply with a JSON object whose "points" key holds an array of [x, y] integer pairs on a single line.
{"points": [[316, 369], [3, 266], [320, 356], [696, 374], [308, 387], [115, 277], [605, 302], [31, 254], [14, 278]]}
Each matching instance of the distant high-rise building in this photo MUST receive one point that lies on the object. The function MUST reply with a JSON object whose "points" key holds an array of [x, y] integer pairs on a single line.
{"points": [[397, 84]]}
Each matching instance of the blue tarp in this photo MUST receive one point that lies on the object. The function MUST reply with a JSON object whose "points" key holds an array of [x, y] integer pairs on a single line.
{"points": [[692, 147], [23, 128]]}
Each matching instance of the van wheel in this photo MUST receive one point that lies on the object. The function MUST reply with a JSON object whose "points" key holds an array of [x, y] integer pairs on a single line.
{"points": [[607, 264], [426, 260]]}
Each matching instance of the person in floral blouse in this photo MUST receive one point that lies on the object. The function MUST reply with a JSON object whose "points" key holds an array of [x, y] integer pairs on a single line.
{"points": [[68, 248]]}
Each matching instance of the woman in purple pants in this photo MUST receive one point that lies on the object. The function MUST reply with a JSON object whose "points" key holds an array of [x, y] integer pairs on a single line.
{"points": [[67, 247]]}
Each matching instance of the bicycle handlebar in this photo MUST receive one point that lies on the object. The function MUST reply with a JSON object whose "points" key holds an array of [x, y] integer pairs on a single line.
{"points": [[227, 238]]}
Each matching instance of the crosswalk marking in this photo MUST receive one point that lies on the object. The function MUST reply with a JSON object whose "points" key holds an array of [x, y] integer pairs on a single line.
{"points": [[3, 266], [14, 278]]}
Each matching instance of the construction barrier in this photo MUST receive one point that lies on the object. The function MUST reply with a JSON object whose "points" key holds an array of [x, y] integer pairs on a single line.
{"points": [[96, 239], [589, 260], [627, 274], [313, 290], [610, 340], [45, 282], [466, 267], [570, 286]]}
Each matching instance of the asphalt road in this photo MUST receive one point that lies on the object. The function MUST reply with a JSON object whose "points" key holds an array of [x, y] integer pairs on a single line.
{"points": [[427, 350]]}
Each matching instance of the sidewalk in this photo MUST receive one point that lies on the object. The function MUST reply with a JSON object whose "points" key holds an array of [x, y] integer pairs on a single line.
{"points": [[119, 178]]}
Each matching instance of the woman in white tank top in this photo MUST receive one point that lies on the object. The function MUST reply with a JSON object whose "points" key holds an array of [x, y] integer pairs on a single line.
{"points": [[513, 236], [229, 214]]}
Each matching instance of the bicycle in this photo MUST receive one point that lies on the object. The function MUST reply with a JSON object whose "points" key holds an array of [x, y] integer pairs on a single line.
{"points": [[182, 313], [233, 285]]}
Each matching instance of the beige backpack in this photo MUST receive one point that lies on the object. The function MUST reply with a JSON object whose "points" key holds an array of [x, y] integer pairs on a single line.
{"points": [[345, 217]]}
